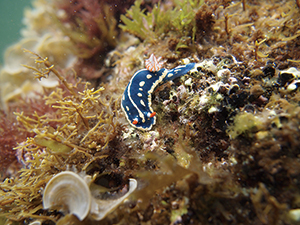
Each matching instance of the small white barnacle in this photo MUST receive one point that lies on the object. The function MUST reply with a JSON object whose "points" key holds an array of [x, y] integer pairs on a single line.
{"points": [[36, 222], [293, 86], [142, 83], [185, 61], [292, 71], [68, 193]]}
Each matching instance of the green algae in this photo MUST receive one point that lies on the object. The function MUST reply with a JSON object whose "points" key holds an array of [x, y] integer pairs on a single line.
{"points": [[152, 26], [245, 123]]}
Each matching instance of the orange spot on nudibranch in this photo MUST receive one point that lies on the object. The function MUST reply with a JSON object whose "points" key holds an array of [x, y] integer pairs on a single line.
{"points": [[134, 122], [152, 114]]}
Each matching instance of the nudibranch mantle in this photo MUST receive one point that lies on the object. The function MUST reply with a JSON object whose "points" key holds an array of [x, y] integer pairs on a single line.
{"points": [[136, 100]]}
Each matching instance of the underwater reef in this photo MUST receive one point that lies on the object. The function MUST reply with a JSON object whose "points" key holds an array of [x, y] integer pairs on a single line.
{"points": [[224, 145]]}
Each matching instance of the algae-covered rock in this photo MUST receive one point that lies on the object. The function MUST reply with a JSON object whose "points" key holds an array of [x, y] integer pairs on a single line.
{"points": [[225, 146]]}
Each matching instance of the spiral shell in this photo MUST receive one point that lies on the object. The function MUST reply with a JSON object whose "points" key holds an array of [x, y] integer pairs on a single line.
{"points": [[69, 193]]}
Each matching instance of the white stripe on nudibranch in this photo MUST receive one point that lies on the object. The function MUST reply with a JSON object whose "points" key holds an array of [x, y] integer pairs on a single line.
{"points": [[141, 115], [143, 103]]}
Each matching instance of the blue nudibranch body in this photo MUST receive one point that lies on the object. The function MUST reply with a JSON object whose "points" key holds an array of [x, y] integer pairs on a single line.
{"points": [[136, 100]]}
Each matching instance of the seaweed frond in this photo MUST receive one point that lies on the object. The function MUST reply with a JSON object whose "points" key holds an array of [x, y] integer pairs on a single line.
{"points": [[44, 71], [90, 25], [81, 122], [21, 196], [151, 26], [140, 24]]}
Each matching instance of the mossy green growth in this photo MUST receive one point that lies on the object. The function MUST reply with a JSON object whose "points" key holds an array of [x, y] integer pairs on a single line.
{"points": [[244, 123], [150, 26]]}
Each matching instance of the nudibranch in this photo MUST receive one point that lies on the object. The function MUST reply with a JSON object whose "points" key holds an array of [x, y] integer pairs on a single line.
{"points": [[136, 100]]}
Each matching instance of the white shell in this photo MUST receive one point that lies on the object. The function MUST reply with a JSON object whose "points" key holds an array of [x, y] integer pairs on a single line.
{"points": [[292, 70], [101, 208], [68, 191], [36, 222]]}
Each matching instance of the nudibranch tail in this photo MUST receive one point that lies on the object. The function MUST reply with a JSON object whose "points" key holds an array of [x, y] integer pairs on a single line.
{"points": [[178, 71], [152, 64], [137, 98]]}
